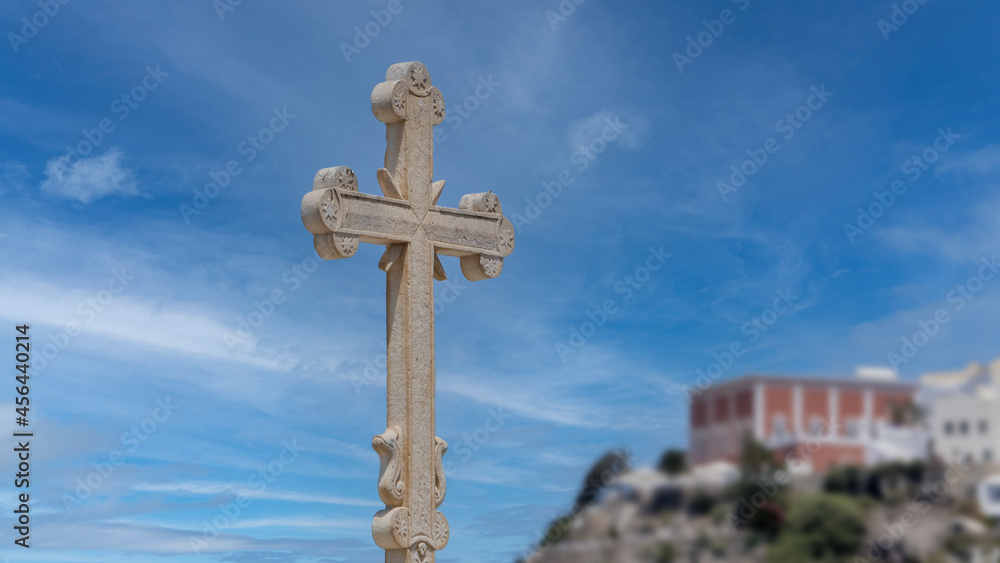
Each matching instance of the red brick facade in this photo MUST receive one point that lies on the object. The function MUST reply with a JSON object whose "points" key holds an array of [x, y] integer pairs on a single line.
{"points": [[822, 422]]}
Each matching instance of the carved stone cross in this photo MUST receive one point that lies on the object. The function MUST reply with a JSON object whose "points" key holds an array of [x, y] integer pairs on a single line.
{"points": [[414, 231]]}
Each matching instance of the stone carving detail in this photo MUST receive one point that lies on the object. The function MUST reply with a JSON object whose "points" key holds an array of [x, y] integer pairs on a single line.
{"points": [[399, 530], [437, 106], [505, 237], [420, 79], [328, 209], [441, 532], [340, 177], [399, 101], [391, 488], [491, 265], [335, 246], [440, 484], [389, 101], [391, 528], [486, 202], [421, 553], [481, 266]]}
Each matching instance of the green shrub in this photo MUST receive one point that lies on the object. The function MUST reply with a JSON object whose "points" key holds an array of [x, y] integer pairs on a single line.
{"points": [[823, 528], [666, 553]]}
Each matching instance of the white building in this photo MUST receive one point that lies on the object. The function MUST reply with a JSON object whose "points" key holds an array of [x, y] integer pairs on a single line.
{"points": [[964, 413]]}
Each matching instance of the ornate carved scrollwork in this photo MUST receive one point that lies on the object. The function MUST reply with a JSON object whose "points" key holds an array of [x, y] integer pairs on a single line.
{"points": [[391, 487], [440, 485]]}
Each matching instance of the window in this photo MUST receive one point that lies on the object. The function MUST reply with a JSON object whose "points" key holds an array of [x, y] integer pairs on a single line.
{"points": [[987, 455], [994, 493], [963, 428], [984, 426], [949, 428]]}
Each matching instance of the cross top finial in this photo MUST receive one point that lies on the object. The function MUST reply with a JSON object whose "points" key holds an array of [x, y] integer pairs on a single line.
{"points": [[389, 98]]}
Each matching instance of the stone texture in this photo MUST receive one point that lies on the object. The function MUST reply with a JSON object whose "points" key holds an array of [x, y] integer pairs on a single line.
{"points": [[414, 230]]}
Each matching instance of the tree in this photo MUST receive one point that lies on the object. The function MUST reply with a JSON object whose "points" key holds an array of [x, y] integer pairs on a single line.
{"points": [[557, 531], [673, 462], [821, 528], [611, 465], [757, 461]]}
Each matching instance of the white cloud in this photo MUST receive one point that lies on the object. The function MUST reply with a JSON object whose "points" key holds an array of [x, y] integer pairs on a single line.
{"points": [[626, 130], [179, 328], [90, 178], [979, 162]]}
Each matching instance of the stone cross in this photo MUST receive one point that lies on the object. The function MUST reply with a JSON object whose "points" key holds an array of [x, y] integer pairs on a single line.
{"points": [[414, 231]]}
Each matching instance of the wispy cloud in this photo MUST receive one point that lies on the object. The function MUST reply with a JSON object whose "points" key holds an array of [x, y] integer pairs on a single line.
{"points": [[174, 329], [90, 178]]}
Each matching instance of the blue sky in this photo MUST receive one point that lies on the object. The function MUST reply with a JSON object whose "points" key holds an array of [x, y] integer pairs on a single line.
{"points": [[157, 375]]}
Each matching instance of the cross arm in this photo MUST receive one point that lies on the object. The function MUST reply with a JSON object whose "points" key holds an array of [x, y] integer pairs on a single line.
{"points": [[339, 217], [477, 232]]}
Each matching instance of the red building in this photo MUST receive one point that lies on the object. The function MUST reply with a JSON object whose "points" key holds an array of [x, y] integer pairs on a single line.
{"points": [[814, 423]]}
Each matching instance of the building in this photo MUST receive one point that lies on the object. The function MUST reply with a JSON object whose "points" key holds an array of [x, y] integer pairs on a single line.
{"points": [[813, 423], [964, 413]]}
